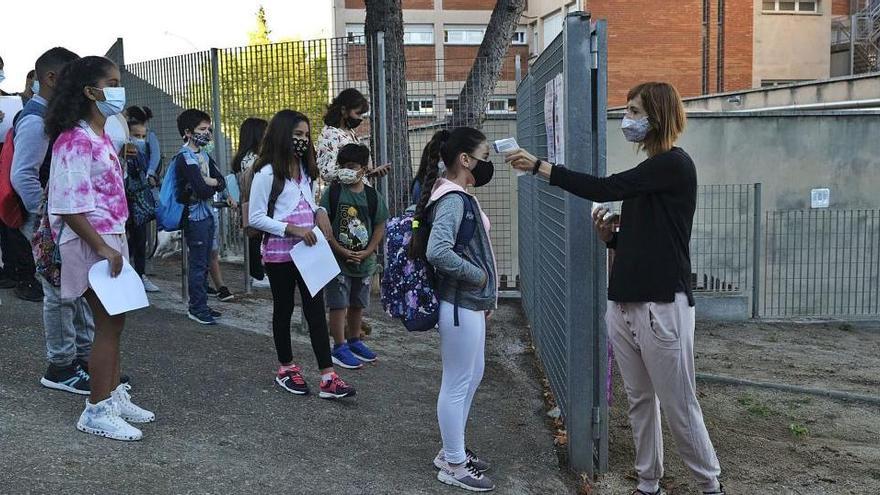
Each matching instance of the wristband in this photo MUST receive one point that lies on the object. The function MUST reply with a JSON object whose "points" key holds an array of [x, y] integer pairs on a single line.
{"points": [[538, 163]]}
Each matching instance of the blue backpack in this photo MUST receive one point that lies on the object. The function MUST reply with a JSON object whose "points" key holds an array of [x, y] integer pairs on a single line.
{"points": [[408, 285], [170, 211]]}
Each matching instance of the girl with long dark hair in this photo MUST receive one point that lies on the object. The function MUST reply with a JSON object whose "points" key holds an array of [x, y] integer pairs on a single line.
{"points": [[466, 284], [283, 206], [87, 193], [249, 137]]}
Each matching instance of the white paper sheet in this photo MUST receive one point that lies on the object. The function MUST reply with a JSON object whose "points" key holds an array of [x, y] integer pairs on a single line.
{"points": [[121, 294], [558, 120], [549, 122], [316, 264], [9, 105]]}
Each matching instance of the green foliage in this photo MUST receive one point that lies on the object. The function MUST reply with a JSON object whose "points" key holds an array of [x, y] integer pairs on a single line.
{"points": [[755, 407], [264, 77], [798, 430]]}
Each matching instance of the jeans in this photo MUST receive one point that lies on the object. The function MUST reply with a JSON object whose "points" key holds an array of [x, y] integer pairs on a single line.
{"points": [[199, 238], [137, 247], [68, 326]]}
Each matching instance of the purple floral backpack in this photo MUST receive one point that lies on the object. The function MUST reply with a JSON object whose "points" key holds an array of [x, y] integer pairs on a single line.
{"points": [[408, 291]]}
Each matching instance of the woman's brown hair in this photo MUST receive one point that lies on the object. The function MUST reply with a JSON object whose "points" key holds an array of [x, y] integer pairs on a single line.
{"points": [[662, 104]]}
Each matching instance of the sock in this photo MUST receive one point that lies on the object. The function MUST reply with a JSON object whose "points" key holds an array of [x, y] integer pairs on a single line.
{"points": [[353, 339], [326, 377], [285, 367]]}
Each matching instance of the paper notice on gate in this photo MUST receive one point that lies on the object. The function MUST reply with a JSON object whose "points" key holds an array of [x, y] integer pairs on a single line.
{"points": [[316, 264]]}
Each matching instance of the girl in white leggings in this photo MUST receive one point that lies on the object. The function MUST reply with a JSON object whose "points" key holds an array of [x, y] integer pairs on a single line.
{"points": [[452, 233]]}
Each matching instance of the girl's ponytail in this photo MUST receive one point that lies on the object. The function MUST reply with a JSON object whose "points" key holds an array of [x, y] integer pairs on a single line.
{"points": [[431, 161]]}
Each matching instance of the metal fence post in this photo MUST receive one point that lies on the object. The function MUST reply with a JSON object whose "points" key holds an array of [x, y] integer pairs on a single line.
{"points": [[756, 253], [379, 69], [580, 242]]}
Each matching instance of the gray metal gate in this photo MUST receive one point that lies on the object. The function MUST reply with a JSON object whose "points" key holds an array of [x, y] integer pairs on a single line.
{"points": [[563, 271]]}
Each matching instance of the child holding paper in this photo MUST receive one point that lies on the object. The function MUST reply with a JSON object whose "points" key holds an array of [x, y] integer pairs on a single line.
{"points": [[282, 206], [358, 214], [89, 210]]}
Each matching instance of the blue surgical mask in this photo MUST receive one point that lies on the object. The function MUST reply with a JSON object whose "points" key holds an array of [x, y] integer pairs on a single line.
{"points": [[635, 131], [140, 144], [35, 87], [114, 101], [2, 75]]}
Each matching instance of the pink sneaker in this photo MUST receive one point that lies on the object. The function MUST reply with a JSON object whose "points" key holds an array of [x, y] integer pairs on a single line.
{"points": [[335, 388]]}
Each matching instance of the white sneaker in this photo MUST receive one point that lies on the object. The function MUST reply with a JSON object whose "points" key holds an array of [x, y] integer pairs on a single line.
{"points": [[102, 419], [465, 476], [260, 284], [127, 409], [149, 286]]}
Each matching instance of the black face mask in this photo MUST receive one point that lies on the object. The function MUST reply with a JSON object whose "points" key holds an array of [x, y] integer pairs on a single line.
{"points": [[482, 172], [353, 122]]}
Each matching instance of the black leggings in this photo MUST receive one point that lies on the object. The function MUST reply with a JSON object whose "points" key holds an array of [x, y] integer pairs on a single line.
{"points": [[137, 247], [283, 278], [256, 259]]}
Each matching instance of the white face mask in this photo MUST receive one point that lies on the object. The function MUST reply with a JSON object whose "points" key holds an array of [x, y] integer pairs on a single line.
{"points": [[348, 176], [635, 131]]}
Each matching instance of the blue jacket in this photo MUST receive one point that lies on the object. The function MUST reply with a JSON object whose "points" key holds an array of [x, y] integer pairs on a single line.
{"points": [[192, 185]]}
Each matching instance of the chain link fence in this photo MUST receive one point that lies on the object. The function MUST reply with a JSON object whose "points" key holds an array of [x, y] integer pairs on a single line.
{"points": [[433, 87], [563, 267]]}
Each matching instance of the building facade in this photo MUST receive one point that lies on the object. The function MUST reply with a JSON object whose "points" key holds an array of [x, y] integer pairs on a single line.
{"points": [[702, 46], [441, 39]]}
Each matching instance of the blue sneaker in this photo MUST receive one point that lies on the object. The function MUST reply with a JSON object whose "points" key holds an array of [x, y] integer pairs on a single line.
{"points": [[343, 357], [361, 351], [205, 319]]}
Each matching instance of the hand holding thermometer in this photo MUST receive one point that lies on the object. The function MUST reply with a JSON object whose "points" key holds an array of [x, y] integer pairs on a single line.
{"points": [[507, 145]]}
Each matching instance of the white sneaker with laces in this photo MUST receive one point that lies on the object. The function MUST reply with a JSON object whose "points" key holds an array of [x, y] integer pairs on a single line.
{"points": [[149, 286], [102, 419], [465, 476], [127, 409], [260, 284]]}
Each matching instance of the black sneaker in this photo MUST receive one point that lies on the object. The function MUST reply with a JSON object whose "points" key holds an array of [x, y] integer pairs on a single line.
{"points": [[210, 290], [29, 291], [224, 295], [70, 378], [6, 282], [215, 313], [82, 363]]}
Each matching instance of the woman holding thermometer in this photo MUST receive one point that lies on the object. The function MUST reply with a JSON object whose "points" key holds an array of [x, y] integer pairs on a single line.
{"points": [[650, 315]]}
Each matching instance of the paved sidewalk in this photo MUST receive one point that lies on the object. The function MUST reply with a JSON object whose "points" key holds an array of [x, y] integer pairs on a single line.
{"points": [[224, 428]]}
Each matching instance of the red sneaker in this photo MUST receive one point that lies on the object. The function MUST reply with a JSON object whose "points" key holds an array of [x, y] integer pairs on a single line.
{"points": [[291, 379], [336, 388]]}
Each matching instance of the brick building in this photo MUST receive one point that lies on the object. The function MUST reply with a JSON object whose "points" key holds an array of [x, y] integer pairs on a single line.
{"points": [[702, 46], [441, 39]]}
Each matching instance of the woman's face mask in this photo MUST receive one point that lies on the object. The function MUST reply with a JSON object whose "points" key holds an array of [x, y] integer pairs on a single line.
{"points": [[635, 130], [140, 144], [202, 139]]}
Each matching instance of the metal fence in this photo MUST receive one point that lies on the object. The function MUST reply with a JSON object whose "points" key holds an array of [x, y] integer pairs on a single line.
{"points": [[257, 81], [434, 86], [562, 265], [822, 263]]}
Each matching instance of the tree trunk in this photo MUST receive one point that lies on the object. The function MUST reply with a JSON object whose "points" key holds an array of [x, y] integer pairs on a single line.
{"points": [[470, 108], [387, 16]]}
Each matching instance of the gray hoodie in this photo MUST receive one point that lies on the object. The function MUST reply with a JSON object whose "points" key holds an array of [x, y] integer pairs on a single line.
{"points": [[475, 268]]}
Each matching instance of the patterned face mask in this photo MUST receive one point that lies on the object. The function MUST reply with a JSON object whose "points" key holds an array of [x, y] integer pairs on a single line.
{"points": [[202, 138], [300, 146], [635, 131], [348, 176]]}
